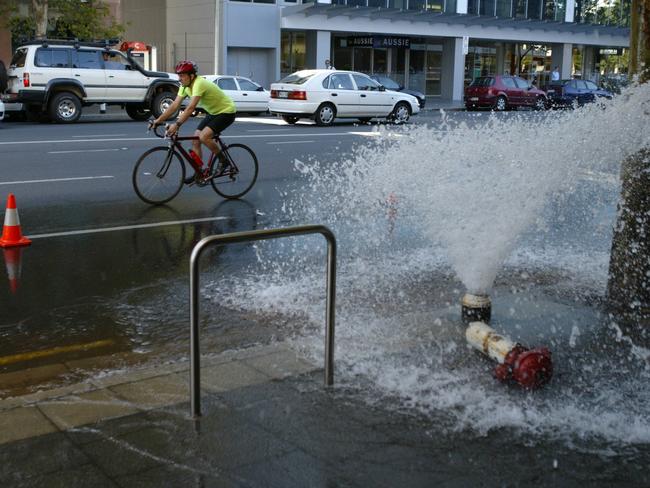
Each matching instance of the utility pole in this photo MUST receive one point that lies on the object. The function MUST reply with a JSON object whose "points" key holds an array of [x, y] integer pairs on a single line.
{"points": [[628, 287]]}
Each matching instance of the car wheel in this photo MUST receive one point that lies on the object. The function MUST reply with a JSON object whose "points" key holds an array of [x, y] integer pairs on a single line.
{"points": [[540, 103], [401, 113], [501, 104], [161, 102], [325, 114], [138, 112], [65, 107], [290, 119]]}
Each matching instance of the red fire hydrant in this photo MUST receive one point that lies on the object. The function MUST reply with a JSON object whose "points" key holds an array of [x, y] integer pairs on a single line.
{"points": [[530, 368]]}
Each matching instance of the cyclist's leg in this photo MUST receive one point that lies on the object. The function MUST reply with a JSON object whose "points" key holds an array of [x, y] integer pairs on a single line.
{"points": [[215, 125]]}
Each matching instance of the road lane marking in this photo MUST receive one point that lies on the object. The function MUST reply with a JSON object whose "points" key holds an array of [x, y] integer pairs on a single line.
{"points": [[26, 356], [89, 150], [230, 136], [290, 142], [101, 135], [126, 227], [55, 180]]}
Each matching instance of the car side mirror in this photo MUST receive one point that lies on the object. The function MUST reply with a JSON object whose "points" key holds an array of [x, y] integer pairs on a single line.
{"points": [[382, 88], [260, 88], [401, 87]]}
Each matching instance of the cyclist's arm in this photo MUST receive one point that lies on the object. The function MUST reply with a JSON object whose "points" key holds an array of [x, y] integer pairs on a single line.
{"points": [[189, 110], [170, 111]]}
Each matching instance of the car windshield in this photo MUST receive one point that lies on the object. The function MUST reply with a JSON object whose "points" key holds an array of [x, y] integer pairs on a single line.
{"points": [[297, 78], [18, 61], [483, 81]]}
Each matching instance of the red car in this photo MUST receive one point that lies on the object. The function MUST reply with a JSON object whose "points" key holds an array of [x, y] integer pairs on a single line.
{"points": [[501, 92]]}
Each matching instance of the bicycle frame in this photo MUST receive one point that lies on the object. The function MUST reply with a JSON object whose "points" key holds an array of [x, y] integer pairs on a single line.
{"points": [[175, 142]]}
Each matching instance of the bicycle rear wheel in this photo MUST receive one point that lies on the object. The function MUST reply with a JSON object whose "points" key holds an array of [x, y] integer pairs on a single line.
{"points": [[158, 175], [239, 174]]}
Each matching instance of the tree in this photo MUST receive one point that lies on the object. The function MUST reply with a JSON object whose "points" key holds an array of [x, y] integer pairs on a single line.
{"points": [[84, 20]]}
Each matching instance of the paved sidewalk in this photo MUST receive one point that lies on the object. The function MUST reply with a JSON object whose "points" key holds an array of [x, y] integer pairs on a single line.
{"points": [[268, 421]]}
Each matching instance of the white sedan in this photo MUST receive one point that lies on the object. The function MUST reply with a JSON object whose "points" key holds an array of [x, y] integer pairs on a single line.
{"points": [[327, 94], [248, 96], [2, 110]]}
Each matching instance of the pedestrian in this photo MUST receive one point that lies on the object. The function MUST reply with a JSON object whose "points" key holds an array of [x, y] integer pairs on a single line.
{"points": [[328, 64], [555, 74]]}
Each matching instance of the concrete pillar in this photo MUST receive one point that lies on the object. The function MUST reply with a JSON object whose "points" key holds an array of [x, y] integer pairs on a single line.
{"points": [[461, 6], [501, 55], [319, 48], [588, 63], [561, 56], [570, 11], [453, 69]]}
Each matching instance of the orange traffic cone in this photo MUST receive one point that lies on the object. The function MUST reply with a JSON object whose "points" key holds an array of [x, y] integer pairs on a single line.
{"points": [[11, 234], [12, 260]]}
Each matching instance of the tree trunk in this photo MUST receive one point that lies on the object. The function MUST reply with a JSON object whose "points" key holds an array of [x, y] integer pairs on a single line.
{"points": [[629, 266], [39, 13], [628, 287]]}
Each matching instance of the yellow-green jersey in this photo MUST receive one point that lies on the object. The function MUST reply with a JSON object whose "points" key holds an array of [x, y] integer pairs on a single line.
{"points": [[213, 100]]}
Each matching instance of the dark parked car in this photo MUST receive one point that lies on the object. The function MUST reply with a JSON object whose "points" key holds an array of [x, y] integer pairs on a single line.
{"points": [[391, 84], [567, 93], [501, 92]]}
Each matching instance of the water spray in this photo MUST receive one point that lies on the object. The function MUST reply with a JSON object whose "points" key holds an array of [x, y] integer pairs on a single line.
{"points": [[530, 368]]}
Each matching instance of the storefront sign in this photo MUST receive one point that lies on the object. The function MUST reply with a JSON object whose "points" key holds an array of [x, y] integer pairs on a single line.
{"points": [[379, 41]]}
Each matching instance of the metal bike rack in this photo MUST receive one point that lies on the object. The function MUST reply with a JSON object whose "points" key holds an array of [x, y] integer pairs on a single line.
{"points": [[258, 235]]}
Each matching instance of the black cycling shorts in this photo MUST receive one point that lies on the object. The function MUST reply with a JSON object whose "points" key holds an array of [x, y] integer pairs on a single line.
{"points": [[217, 123]]}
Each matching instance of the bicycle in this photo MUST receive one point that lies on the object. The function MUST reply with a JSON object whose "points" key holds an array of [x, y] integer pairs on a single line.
{"points": [[159, 174]]}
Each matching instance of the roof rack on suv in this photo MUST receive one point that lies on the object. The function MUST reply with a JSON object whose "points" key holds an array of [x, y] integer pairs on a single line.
{"points": [[44, 41]]}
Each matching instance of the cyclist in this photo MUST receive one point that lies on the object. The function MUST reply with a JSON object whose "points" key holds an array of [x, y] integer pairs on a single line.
{"points": [[219, 108]]}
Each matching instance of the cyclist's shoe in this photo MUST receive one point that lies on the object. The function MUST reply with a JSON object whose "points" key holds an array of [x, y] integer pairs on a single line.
{"points": [[222, 167]]}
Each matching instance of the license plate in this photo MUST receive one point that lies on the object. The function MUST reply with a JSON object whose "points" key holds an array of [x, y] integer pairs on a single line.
{"points": [[473, 99], [550, 91], [283, 94]]}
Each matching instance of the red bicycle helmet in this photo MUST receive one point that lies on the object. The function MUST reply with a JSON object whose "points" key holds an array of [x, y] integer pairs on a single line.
{"points": [[188, 67]]}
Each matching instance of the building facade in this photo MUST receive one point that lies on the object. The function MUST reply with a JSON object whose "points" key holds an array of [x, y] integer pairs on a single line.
{"points": [[434, 46]]}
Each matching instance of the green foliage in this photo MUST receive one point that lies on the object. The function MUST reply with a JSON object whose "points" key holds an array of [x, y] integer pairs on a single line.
{"points": [[67, 19]]}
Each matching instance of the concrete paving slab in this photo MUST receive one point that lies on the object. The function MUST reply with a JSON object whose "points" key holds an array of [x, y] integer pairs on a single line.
{"points": [[23, 423], [177, 477], [48, 394], [155, 392], [280, 364], [86, 476], [227, 376], [25, 460], [119, 377], [86, 408]]}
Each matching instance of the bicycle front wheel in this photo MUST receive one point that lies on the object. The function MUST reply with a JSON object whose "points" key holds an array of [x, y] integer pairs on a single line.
{"points": [[238, 175], [158, 175]]}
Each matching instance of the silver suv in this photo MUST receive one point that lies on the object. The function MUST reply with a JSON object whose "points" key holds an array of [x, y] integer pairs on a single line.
{"points": [[54, 79]]}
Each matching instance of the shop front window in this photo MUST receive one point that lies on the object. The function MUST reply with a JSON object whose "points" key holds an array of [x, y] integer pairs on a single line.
{"points": [[292, 52], [397, 4], [481, 60], [342, 54], [472, 7], [362, 57], [379, 60], [376, 3], [450, 6]]}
